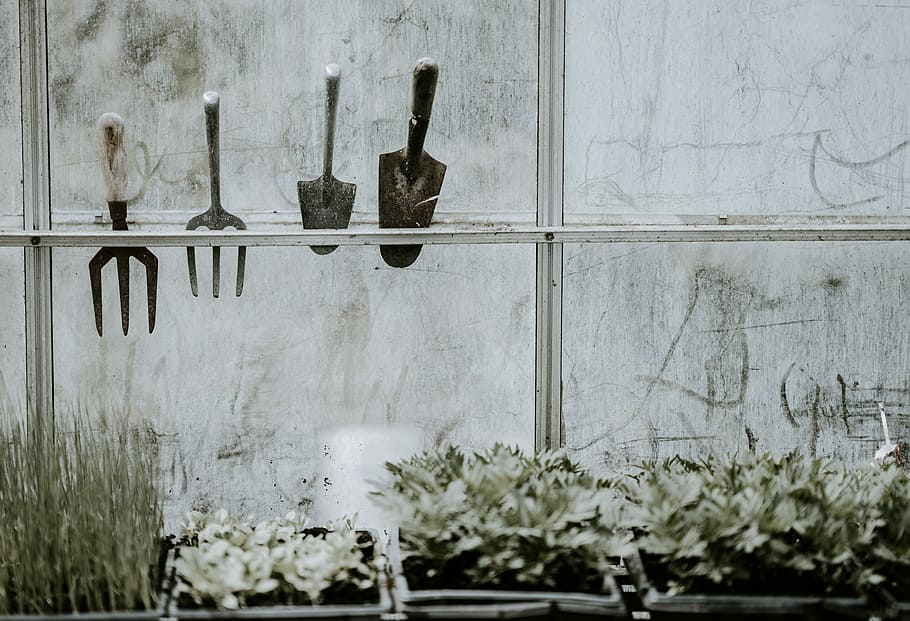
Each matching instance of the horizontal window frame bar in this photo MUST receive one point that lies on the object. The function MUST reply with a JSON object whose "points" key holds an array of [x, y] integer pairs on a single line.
{"points": [[686, 233]]}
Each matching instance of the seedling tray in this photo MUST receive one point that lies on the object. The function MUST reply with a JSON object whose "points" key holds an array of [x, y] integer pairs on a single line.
{"points": [[731, 606], [361, 612], [336, 613], [508, 604], [494, 604]]}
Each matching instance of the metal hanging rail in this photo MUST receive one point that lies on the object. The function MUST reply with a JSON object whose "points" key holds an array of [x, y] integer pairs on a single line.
{"points": [[584, 234]]}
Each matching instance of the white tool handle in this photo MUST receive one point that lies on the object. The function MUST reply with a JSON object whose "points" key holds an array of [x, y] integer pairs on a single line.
{"points": [[113, 156], [881, 411]]}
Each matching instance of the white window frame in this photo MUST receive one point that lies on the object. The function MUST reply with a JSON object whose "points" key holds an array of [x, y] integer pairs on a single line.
{"points": [[549, 235]]}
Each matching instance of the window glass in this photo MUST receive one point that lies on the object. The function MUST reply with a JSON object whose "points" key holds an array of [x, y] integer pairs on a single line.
{"points": [[12, 329], [680, 110], [687, 349]]}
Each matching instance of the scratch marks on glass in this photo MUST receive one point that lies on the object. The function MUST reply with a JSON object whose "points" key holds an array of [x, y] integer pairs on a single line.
{"points": [[852, 167]]}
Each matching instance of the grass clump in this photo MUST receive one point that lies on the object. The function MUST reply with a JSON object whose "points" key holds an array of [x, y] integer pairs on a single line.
{"points": [[502, 519], [81, 520]]}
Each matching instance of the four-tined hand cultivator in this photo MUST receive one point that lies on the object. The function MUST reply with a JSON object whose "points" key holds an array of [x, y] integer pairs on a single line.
{"points": [[113, 165]]}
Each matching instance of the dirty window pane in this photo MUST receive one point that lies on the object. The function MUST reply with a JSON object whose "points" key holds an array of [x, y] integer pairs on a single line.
{"points": [[238, 391], [10, 120], [711, 108], [152, 61], [12, 307], [12, 335], [685, 349]]}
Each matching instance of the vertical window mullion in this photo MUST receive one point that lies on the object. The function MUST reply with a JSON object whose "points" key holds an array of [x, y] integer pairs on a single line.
{"points": [[36, 211], [550, 155]]}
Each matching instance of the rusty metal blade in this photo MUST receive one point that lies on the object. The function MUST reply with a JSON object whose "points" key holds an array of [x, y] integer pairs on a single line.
{"points": [[216, 270], [145, 256], [94, 272], [241, 268], [191, 264], [407, 202], [123, 283], [326, 203]]}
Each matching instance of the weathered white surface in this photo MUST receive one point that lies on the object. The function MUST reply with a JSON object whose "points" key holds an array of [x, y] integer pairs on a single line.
{"points": [[12, 328], [152, 61], [715, 107], [680, 110], [236, 390], [10, 119], [353, 460], [12, 335], [684, 350], [674, 110]]}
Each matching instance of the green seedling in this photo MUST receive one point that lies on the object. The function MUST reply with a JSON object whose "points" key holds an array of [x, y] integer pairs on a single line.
{"points": [[501, 519]]}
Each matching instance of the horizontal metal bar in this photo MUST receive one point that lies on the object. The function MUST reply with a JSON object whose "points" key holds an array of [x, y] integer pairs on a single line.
{"points": [[461, 235]]}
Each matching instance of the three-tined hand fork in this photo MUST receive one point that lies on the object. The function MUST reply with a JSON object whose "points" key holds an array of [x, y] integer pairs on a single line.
{"points": [[113, 163], [216, 218]]}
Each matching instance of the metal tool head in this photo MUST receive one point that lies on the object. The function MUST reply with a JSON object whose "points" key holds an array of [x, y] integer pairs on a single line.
{"points": [[216, 218], [113, 167], [122, 256], [410, 180], [326, 202]]}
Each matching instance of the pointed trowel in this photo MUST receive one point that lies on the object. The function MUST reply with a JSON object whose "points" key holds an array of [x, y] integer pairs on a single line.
{"points": [[326, 202], [409, 179]]}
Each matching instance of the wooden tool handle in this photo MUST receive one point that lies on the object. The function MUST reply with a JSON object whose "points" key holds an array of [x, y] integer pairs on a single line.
{"points": [[426, 71], [211, 100], [424, 90], [113, 156], [332, 84]]}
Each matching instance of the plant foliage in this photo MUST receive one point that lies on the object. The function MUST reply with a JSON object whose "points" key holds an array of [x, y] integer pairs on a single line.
{"points": [[771, 525], [883, 499], [501, 519], [81, 521], [229, 562]]}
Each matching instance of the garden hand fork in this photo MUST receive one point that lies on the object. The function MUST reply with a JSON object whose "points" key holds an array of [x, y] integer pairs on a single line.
{"points": [[113, 164], [216, 218]]}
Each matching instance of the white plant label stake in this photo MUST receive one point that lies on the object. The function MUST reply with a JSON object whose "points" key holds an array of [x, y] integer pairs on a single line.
{"points": [[886, 449]]}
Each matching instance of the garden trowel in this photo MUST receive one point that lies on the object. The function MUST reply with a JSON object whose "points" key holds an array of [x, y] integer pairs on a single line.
{"points": [[326, 202], [409, 179]]}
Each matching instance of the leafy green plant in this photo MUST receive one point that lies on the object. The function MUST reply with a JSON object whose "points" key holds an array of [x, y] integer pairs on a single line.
{"points": [[81, 520], [758, 524], [229, 562], [502, 519], [883, 499]]}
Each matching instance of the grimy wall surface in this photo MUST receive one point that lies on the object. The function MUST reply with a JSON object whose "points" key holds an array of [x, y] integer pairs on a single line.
{"points": [[675, 112], [12, 328], [757, 112], [239, 391]]}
